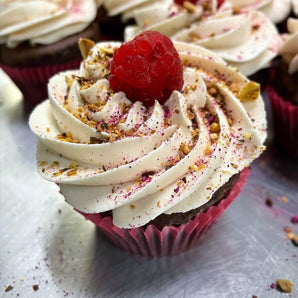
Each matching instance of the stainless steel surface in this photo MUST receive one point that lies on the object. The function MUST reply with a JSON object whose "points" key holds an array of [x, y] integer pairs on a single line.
{"points": [[44, 242]]}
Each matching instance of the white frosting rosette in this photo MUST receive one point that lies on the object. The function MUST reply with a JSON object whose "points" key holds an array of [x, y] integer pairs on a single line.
{"points": [[247, 40], [295, 7], [166, 17], [125, 8], [275, 10], [107, 153], [43, 21], [289, 50]]}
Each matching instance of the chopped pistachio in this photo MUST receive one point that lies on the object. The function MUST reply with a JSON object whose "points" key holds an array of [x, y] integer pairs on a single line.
{"points": [[190, 7], [285, 285], [85, 46], [250, 91], [214, 127]]}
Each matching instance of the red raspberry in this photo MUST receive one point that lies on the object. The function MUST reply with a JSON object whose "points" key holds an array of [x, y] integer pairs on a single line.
{"points": [[147, 68], [220, 3]]}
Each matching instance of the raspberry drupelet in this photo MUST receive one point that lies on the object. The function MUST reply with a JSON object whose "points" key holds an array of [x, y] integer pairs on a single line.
{"points": [[147, 68]]}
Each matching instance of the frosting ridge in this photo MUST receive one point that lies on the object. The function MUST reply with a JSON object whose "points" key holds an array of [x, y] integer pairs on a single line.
{"points": [[43, 21], [107, 153], [246, 39]]}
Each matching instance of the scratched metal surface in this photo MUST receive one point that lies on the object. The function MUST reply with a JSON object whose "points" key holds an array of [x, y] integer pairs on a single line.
{"points": [[44, 242]]}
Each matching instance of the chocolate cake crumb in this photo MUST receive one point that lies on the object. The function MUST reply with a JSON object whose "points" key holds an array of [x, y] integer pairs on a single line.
{"points": [[269, 202], [254, 296], [9, 288], [285, 285], [35, 287], [182, 218]]}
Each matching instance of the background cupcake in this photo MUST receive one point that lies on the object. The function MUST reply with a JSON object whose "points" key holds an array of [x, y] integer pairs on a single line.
{"points": [[276, 10], [115, 15], [39, 38], [283, 92], [149, 141], [245, 39]]}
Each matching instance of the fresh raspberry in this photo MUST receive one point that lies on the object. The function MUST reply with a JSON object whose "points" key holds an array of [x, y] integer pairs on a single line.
{"points": [[147, 68], [220, 3]]}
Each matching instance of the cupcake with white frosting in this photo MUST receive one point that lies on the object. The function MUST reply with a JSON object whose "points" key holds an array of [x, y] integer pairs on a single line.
{"points": [[115, 15], [39, 38], [283, 91], [275, 10], [245, 39], [150, 140]]}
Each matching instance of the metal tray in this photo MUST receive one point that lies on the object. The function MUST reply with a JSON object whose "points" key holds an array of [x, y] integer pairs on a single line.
{"points": [[48, 250]]}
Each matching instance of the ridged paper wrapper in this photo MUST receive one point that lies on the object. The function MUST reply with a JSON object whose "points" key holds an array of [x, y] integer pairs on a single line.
{"points": [[32, 81], [170, 240], [285, 122]]}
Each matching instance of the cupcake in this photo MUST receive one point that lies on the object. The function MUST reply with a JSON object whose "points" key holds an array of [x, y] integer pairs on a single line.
{"points": [[39, 39], [275, 10], [170, 16], [149, 140], [245, 39], [283, 92], [115, 15]]}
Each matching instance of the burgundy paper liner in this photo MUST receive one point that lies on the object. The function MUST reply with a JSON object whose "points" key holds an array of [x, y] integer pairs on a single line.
{"points": [[285, 121], [170, 240], [32, 81]]}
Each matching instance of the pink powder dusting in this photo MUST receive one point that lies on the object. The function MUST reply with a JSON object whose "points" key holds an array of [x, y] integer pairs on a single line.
{"points": [[76, 9], [176, 189]]}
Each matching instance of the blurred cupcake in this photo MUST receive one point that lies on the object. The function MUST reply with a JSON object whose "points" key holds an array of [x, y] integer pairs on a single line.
{"points": [[283, 92], [170, 16], [150, 141], [245, 39], [275, 10], [115, 15], [39, 38]]}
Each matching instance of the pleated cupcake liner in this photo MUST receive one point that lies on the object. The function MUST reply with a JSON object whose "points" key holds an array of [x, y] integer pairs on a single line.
{"points": [[32, 81], [170, 240], [285, 121]]}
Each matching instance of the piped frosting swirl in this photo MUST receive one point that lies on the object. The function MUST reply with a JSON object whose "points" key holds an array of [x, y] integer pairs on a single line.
{"points": [[44, 21], [246, 39], [108, 153]]}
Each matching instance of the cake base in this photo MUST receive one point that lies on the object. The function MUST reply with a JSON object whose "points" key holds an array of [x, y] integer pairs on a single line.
{"points": [[30, 67], [169, 240]]}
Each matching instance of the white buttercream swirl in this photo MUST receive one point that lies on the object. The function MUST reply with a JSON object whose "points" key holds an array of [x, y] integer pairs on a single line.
{"points": [[167, 17], [43, 21], [275, 10], [108, 153], [289, 50], [125, 8], [295, 7], [246, 40]]}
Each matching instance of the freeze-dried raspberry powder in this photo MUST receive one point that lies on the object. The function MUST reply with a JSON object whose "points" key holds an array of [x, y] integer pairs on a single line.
{"points": [[147, 68]]}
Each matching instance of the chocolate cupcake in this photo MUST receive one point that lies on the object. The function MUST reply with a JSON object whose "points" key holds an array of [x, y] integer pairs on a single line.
{"points": [[283, 92], [39, 39], [149, 140], [242, 36]]}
